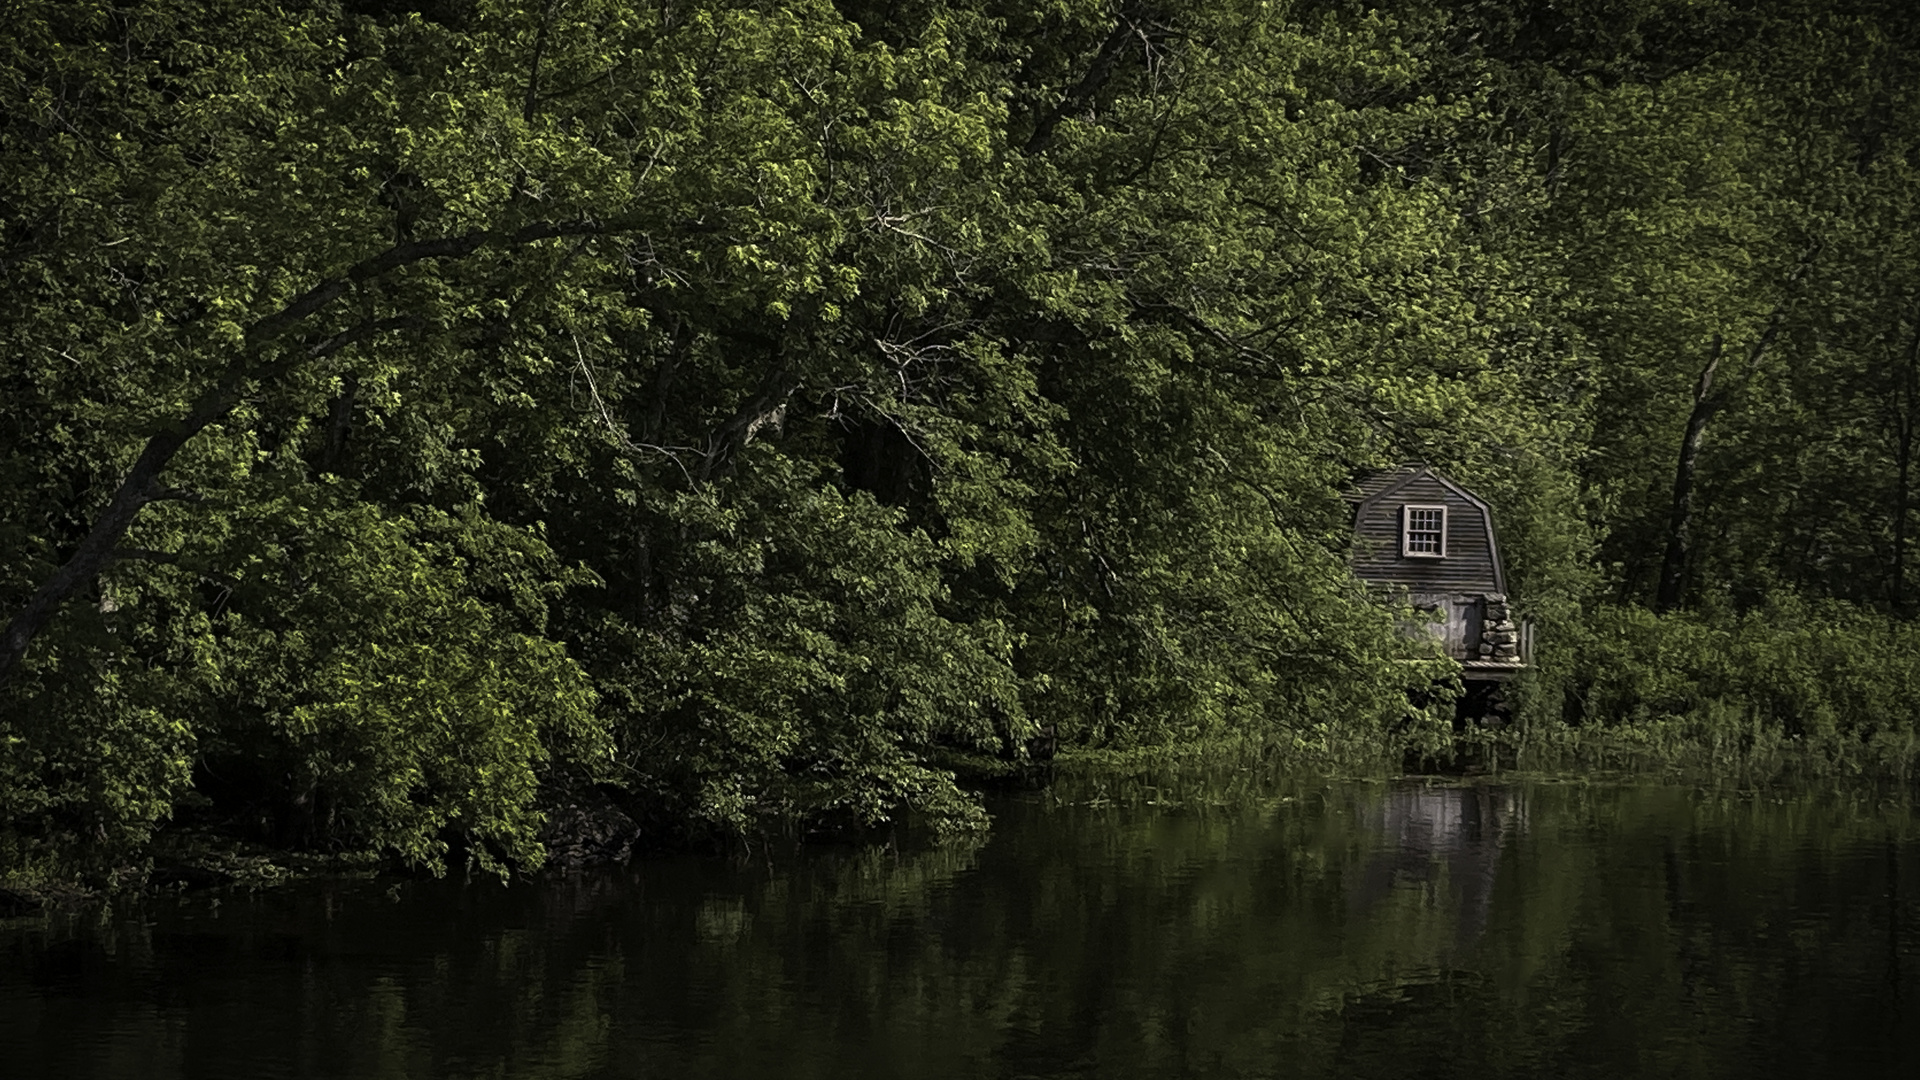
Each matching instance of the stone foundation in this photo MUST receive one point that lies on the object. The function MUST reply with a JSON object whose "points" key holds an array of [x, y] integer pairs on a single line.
{"points": [[1499, 635]]}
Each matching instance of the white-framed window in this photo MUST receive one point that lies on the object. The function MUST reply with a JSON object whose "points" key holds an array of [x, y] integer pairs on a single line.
{"points": [[1423, 532]]}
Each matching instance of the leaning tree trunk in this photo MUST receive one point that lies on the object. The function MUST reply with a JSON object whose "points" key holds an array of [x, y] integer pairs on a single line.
{"points": [[1908, 399], [143, 485], [1706, 402]]}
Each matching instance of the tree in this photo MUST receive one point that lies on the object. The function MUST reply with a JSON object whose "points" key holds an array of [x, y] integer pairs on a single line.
{"points": [[750, 409]]}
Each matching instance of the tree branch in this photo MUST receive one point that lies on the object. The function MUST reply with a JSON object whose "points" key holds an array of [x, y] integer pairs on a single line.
{"points": [[533, 68], [1091, 83], [273, 326], [141, 484]]}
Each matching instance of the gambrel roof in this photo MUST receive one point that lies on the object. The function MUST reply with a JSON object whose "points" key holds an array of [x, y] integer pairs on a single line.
{"points": [[1375, 490]]}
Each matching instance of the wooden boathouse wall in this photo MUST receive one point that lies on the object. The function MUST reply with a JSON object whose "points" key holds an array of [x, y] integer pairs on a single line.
{"points": [[1462, 590], [1472, 560]]}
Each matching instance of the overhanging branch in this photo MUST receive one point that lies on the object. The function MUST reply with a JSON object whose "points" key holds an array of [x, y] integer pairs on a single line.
{"points": [[141, 485]]}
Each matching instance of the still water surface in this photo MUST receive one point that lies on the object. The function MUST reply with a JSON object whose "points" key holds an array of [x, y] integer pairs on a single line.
{"points": [[1315, 929]]}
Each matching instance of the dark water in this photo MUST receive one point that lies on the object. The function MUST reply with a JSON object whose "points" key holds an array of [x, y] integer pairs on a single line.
{"points": [[1315, 930]]}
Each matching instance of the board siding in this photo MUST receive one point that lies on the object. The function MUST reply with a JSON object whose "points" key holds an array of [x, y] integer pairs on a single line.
{"points": [[1467, 566]]}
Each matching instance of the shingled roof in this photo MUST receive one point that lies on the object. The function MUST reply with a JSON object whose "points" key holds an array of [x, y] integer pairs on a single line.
{"points": [[1370, 484]]}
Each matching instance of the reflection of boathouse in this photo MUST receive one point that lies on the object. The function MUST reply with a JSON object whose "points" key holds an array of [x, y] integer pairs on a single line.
{"points": [[1436, 835], [1421, 535]]}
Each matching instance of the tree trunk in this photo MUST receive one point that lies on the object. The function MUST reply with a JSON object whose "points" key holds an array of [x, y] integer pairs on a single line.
{"points": [[1099, 72], [1903, 454], [333, 445], [142, 483], [1706, 402], [1896, 588], [1673, 569], [96, 550], [142, 486]]}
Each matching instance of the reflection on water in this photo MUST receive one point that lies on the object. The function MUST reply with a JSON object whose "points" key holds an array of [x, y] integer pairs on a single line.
{"points": [[1309, 930], [1441, 838]]}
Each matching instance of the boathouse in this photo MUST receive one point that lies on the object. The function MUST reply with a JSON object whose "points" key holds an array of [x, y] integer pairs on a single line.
{"points": [[1419, 534]]}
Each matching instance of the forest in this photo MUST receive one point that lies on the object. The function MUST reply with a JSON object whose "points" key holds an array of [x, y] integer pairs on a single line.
{"points": [[422, 420]]}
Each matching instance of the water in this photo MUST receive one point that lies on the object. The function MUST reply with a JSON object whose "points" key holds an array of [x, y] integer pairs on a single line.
{"points": [[1338, 930]]}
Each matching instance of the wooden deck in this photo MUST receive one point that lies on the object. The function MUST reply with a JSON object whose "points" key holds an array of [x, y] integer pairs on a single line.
{"points": [[1491, 670]]}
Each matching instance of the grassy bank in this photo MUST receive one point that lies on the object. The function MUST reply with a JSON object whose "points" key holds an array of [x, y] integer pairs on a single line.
{"points": [[1791, 689]]}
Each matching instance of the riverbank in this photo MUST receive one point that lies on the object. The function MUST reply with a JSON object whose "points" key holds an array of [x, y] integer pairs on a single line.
{"points": [[589, 828], [1311, 928]]}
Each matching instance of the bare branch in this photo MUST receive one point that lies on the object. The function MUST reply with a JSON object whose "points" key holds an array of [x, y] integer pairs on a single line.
{"points": [[614, 427]]}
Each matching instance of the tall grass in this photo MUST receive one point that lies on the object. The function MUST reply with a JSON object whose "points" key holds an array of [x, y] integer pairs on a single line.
{"points": [[1793, 688]]}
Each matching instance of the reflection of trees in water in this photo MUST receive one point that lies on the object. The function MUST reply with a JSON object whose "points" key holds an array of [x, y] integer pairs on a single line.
{"points": [[1323, 930], [1445, 839]]}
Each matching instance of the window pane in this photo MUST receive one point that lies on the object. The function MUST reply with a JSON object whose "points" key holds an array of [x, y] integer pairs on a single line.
{"points": [[1424, 530]]}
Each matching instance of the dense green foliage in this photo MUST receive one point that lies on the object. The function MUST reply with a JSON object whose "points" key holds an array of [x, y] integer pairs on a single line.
{"points": [[750, 408]]}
